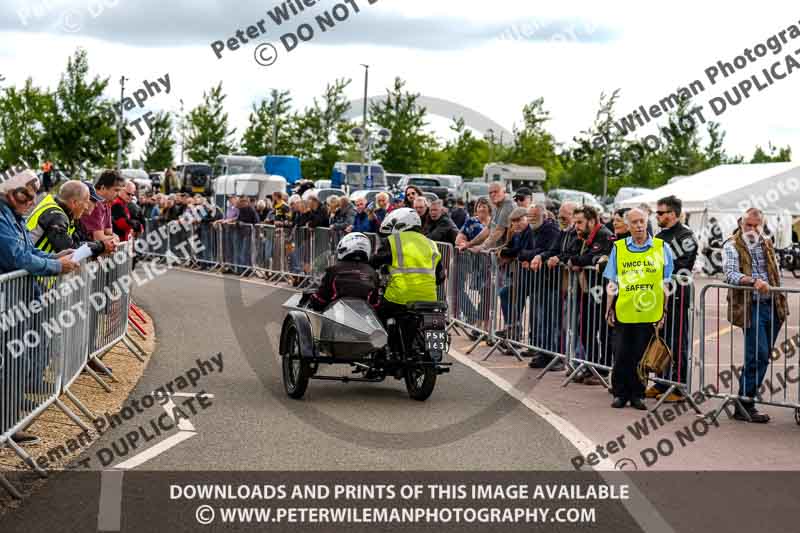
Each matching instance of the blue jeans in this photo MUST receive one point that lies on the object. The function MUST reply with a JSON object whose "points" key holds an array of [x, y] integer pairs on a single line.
{"points": [[758, 341], [520, 290]]}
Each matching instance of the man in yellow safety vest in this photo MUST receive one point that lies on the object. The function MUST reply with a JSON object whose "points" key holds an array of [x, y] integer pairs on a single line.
{"points": [[636, 270], [52, 223], [414, 261]]}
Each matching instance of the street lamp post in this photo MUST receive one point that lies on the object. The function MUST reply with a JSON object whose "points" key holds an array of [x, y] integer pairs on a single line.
{"points": [[366, 140], [367, 180], [121, 119], [183, 130]]}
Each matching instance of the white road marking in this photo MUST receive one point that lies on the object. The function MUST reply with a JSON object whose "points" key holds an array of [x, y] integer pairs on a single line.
{"points": [[156, 450], [639, 507], [109, 514]]}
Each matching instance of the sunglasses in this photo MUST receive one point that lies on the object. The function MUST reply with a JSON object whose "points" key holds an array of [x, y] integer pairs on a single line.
{"points": [[28, 196], [659, 213]]}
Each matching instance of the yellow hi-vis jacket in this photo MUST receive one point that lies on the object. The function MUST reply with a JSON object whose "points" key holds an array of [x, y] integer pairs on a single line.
{"points": [[412, 274], [37, 234], [640, 278]]}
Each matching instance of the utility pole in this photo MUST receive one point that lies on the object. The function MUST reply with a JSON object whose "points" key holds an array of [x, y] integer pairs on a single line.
{"points": [[275, 122], [367, 180], [120, 121], [183, 130], [605, 159]]}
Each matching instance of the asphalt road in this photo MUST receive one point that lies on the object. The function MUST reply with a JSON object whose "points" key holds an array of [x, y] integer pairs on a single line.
{"points": [[468, 424]]}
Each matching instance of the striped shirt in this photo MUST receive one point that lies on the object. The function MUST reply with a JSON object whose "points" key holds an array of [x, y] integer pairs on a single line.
{"points": [[732, 269]]}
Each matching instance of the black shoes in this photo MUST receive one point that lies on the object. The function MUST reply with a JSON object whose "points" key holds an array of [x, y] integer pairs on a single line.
{"points": [[637, 403], [750, 411]]}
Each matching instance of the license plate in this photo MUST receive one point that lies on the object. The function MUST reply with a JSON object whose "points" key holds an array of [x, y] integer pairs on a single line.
{"points": [[436, 343]]}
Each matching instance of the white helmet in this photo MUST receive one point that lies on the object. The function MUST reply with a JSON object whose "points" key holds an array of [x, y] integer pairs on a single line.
{"points": [[402, 219], [353, 246]]}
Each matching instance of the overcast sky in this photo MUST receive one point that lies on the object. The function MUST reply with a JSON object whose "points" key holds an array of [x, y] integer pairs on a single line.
{"points": [[492, 57]]}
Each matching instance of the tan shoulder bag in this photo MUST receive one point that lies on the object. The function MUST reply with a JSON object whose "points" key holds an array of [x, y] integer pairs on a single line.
{"points": [[657, 357]]}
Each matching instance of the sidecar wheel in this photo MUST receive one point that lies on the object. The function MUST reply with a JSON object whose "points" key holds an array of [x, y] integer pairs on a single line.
{"points": [[296, 370]]}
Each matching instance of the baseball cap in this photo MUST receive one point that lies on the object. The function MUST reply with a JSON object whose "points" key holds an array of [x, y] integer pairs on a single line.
{"points": [[522, 192], [400, 197], [93, 196]]}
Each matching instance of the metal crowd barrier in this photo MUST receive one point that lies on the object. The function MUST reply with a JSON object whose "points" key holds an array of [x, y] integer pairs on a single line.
{"points": [[472, 294], [30, 362], [678, 332], [156, 246], [446, 251], [235, 242], [772, 376], [592, 352], [50, 328], [208, 236]]}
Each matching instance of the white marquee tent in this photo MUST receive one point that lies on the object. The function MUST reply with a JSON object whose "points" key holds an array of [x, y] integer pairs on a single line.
{"points": [[726, 191]]}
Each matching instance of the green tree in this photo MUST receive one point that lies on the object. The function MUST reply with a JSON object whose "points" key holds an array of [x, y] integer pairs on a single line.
{"points": [[80, 130], [323, 132], [599, 153], [409, 147], [22, 116], [270, 120], [208, 135], [533, 145], [466, 155], [682, 154], [775, 155], [160, 144]]}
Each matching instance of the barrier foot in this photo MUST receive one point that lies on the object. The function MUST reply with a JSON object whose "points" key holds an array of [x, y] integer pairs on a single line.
{"points": [[686, 397], [67, 411], [728, 399], [137, 328], [97, 378], [6, 484], [573, 374], [134, 347], [475, 344], [22, 454], [137, 312], [549, 366], [105, 369], [81, 407], [599, 376], [514, 351], [488, 355]]}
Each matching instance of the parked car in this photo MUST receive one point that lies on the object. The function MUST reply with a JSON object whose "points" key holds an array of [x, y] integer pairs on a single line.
{"points": [[629, 192], [392, 180], [426, 183], [430, 196], [474, 190], [454, 186], [556, 197], [368, 194], [324, 194], [143, 182], [195, 178], [356, 176], [226, 165], [256, 186], [156, 178]]}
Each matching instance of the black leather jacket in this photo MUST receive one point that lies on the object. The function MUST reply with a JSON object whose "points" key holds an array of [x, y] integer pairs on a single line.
{"points": [[346, 279]]}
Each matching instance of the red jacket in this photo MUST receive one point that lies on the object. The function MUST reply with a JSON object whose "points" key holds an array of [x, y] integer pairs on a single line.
{"points": [[122, 224]]}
